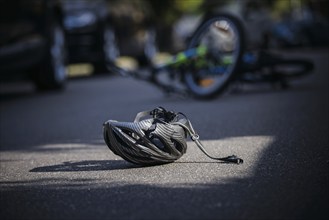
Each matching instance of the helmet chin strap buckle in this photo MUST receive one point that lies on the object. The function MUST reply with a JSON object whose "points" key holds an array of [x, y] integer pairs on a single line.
{"points": [[233, 159], [195, 137]]}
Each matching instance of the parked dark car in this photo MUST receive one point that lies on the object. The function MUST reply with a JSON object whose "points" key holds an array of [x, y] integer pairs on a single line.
{"points": [[32, 42], [89, 33]]}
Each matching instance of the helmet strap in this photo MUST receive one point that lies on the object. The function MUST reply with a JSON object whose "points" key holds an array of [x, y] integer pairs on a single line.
{"points": [[159, 113], [195, 137]]}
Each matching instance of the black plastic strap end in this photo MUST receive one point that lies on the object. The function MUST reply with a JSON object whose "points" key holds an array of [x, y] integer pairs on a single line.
{"points": [[233, 159]]}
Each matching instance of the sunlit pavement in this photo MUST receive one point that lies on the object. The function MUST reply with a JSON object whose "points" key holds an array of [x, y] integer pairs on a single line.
{"points": [[55, 164]]}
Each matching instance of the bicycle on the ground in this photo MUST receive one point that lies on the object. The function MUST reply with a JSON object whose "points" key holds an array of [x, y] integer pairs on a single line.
{"points": [[215, 58]]}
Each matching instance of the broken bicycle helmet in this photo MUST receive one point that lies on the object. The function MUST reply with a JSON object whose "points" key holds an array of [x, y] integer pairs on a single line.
{"points": [[157, 140]]}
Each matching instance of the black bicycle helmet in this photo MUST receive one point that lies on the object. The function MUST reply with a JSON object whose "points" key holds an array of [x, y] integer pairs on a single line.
{"points": [[158, 140]]}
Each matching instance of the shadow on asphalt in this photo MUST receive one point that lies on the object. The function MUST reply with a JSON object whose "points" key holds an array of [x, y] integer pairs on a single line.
{"points": [[88, 165], [98, 165]]}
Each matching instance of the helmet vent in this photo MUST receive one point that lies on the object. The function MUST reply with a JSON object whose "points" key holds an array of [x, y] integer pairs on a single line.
{"points": [[178, 146], [159, 144], [131, 134]]}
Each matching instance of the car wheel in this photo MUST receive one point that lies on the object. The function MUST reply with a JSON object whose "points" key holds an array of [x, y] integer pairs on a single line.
{"points": [[52, 74], [110, 51], [150, 48], [110, 47]]}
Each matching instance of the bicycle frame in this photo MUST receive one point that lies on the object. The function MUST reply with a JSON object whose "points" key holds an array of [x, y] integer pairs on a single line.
{"points": [[192, 58]]}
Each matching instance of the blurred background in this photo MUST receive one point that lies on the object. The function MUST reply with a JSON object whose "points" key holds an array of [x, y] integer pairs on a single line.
{"points": [[54, 162], [47, 41]]}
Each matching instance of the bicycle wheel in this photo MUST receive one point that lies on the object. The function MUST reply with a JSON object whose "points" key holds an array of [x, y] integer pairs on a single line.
{"points": [[222, 36]]}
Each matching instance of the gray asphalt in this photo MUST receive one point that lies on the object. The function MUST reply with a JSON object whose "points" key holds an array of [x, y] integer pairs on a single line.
{"points": [[55, 164]]}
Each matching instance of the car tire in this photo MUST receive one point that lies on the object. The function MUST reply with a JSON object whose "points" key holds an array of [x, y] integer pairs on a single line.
{"points": [[110, 51], [52, 71], [150, 48]]}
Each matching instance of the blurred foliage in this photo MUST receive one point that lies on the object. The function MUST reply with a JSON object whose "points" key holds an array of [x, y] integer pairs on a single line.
{"points": [[161, 12], [168, 11], [188, 5], [164, 15], [281, 8], [134, 10]]}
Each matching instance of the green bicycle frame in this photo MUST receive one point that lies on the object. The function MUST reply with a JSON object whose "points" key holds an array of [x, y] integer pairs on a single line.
{"points": [[198, 56]]}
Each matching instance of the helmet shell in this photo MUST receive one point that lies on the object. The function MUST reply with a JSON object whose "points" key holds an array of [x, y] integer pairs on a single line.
{"points": [[148, 142]]}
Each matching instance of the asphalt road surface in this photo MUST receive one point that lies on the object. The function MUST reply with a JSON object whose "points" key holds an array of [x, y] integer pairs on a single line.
{"points": [[55, 164]]}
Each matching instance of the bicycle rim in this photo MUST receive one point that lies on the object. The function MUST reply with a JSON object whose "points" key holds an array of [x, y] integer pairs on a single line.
{"points": [[222, 36]]}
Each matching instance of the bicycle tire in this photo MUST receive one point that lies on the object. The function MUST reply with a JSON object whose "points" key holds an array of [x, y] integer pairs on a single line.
{"points": [[216, 83]]}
